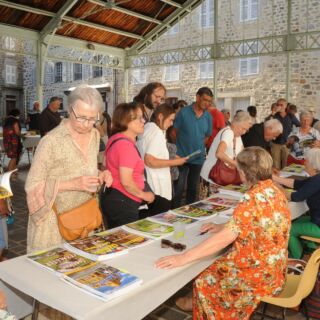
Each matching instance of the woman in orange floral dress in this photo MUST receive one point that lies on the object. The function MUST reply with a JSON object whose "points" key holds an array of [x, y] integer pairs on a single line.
{"points": [[255, 266]]}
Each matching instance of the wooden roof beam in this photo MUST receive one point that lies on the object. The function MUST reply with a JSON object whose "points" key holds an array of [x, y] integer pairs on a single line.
{"points": [[172, 3], [115, 7]]}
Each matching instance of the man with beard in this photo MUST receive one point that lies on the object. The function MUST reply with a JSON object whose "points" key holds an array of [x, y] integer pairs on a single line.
{"points": [[150, 96], [193, 125]]}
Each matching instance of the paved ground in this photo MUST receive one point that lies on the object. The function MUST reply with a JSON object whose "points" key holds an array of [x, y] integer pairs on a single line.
{"points": [[17, 247]]}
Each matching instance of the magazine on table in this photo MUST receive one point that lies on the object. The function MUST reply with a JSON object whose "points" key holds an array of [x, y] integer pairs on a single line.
{"points": [[294, 168], [233, 190], [125, 238], [200, 210], [60, 260], [170, 218], [5, 187], [224, 200], [96, 248], [103, 281], [149, 228]]}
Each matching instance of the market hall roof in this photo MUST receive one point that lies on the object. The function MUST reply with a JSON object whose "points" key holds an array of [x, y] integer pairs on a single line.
{"points": [[122, 24]]}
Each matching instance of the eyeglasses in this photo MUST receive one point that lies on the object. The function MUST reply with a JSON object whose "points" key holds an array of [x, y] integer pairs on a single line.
{"points": [[165, 243], [84, 119]]}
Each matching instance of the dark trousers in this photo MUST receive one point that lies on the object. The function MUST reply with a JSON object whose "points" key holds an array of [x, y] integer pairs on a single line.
{"points": [[189, 173], [118, 209], [159, 205]]}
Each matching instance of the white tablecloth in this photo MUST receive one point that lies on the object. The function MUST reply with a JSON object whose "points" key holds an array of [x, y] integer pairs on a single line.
{"points": [[158, 285], [27, 142]]}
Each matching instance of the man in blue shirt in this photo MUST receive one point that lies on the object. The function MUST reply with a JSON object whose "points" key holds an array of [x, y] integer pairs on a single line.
{"points": [[193, 125]]}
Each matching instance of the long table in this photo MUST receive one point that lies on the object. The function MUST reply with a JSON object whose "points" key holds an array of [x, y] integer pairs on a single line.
{"points": [[22, 280]]}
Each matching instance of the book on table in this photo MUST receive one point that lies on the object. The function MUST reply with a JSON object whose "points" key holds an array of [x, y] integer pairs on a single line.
{"points": [[149, 228], [233, 190], [294, 168], [224, 200], [103, 281], [60, 260], [170, 218], [96, 248], [124, 238], [5, 187], [201, 210]]}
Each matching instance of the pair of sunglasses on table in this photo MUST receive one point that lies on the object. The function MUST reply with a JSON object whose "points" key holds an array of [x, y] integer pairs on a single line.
{"points": [[165, 243]]}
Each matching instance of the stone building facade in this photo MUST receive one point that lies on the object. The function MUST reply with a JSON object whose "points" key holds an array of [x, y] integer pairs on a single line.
{"points": [[257, 80]]}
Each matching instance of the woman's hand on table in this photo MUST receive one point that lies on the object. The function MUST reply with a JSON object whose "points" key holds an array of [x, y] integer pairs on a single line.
{"points": [[210, 227], [105, 177], [3, 300], [170, 262]]}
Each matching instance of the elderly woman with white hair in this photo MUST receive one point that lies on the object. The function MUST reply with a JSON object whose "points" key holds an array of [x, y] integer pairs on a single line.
{"points": [[64, 170], [226, 146], [302, 139], [309, 190]]}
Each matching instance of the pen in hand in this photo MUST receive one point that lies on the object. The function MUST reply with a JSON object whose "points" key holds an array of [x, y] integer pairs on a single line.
{"points": [[202, 233]]}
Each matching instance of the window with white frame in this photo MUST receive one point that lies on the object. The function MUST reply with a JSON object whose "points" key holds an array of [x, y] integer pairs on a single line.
{"points": [[206, 70], [139, 76], [9, 43], [77, 71], [207, 14], [173, 30], [248, 66], [248, 10], [58, 68], [11, 74], [171, 72], [97, 70]]}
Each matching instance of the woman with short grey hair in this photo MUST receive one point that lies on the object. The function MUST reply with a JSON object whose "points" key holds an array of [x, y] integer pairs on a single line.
{"points": [[64, 170], [226, 146], [309, 190], [302, 139]]}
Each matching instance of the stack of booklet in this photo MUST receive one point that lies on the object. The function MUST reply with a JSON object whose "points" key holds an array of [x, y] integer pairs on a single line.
{"points": [[100, 280]]}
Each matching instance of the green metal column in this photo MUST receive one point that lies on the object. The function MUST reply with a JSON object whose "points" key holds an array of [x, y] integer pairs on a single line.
{"points": [[40, 71], [215, 53], [288, 45]]}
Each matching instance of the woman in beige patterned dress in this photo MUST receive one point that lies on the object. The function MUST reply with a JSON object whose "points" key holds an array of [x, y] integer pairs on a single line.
{"points": [[64, 169]]}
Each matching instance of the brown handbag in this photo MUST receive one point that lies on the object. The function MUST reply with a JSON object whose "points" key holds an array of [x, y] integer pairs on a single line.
{"points": [[223, 174], [80, 221]]}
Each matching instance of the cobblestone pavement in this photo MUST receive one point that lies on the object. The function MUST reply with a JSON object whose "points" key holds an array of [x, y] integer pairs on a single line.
{"points": [[17, 246]]}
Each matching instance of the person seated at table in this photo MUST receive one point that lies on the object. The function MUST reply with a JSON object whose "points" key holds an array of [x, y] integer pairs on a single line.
{"points": [[152, 145], [255, 265], [12, 138], [64, 169], [120, 203], [302, 139], [309, 190], [225, 146]]}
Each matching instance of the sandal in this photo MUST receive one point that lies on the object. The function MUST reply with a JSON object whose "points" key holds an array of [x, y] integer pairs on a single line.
{"points": [[184, 304]]}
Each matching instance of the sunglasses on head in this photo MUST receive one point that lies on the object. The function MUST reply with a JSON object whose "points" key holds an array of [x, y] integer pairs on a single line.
{"points": [[165, 243]]}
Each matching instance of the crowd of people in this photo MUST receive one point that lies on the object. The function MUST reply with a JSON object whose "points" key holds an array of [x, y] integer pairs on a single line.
{"points": [[152, 156]]}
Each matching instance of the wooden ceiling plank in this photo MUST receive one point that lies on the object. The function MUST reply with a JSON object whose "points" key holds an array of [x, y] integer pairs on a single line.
{"points": [[113, 6]]}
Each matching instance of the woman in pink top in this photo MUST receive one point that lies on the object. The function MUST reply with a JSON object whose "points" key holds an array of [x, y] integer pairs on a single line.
{"points": [[120, 203]]}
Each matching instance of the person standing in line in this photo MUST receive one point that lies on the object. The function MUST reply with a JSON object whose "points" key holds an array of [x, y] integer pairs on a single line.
{"points": [[217, 123], [227, 115], [12, 138], [50, 117], [150, 97], [33, 118], [152, 145], [193, 125]]}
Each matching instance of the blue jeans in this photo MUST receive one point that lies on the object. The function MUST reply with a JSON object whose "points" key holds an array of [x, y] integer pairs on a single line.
{"points": [[190, 173]]}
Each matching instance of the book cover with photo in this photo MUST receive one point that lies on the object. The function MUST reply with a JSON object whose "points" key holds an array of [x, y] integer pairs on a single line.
{"points": [[5, 187], [60, 260], [125, 238], [149, 228], [95, 248], [233, 190], [104, 281], [170, 218], [294, 168], [223, 201], [200, 210]]}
